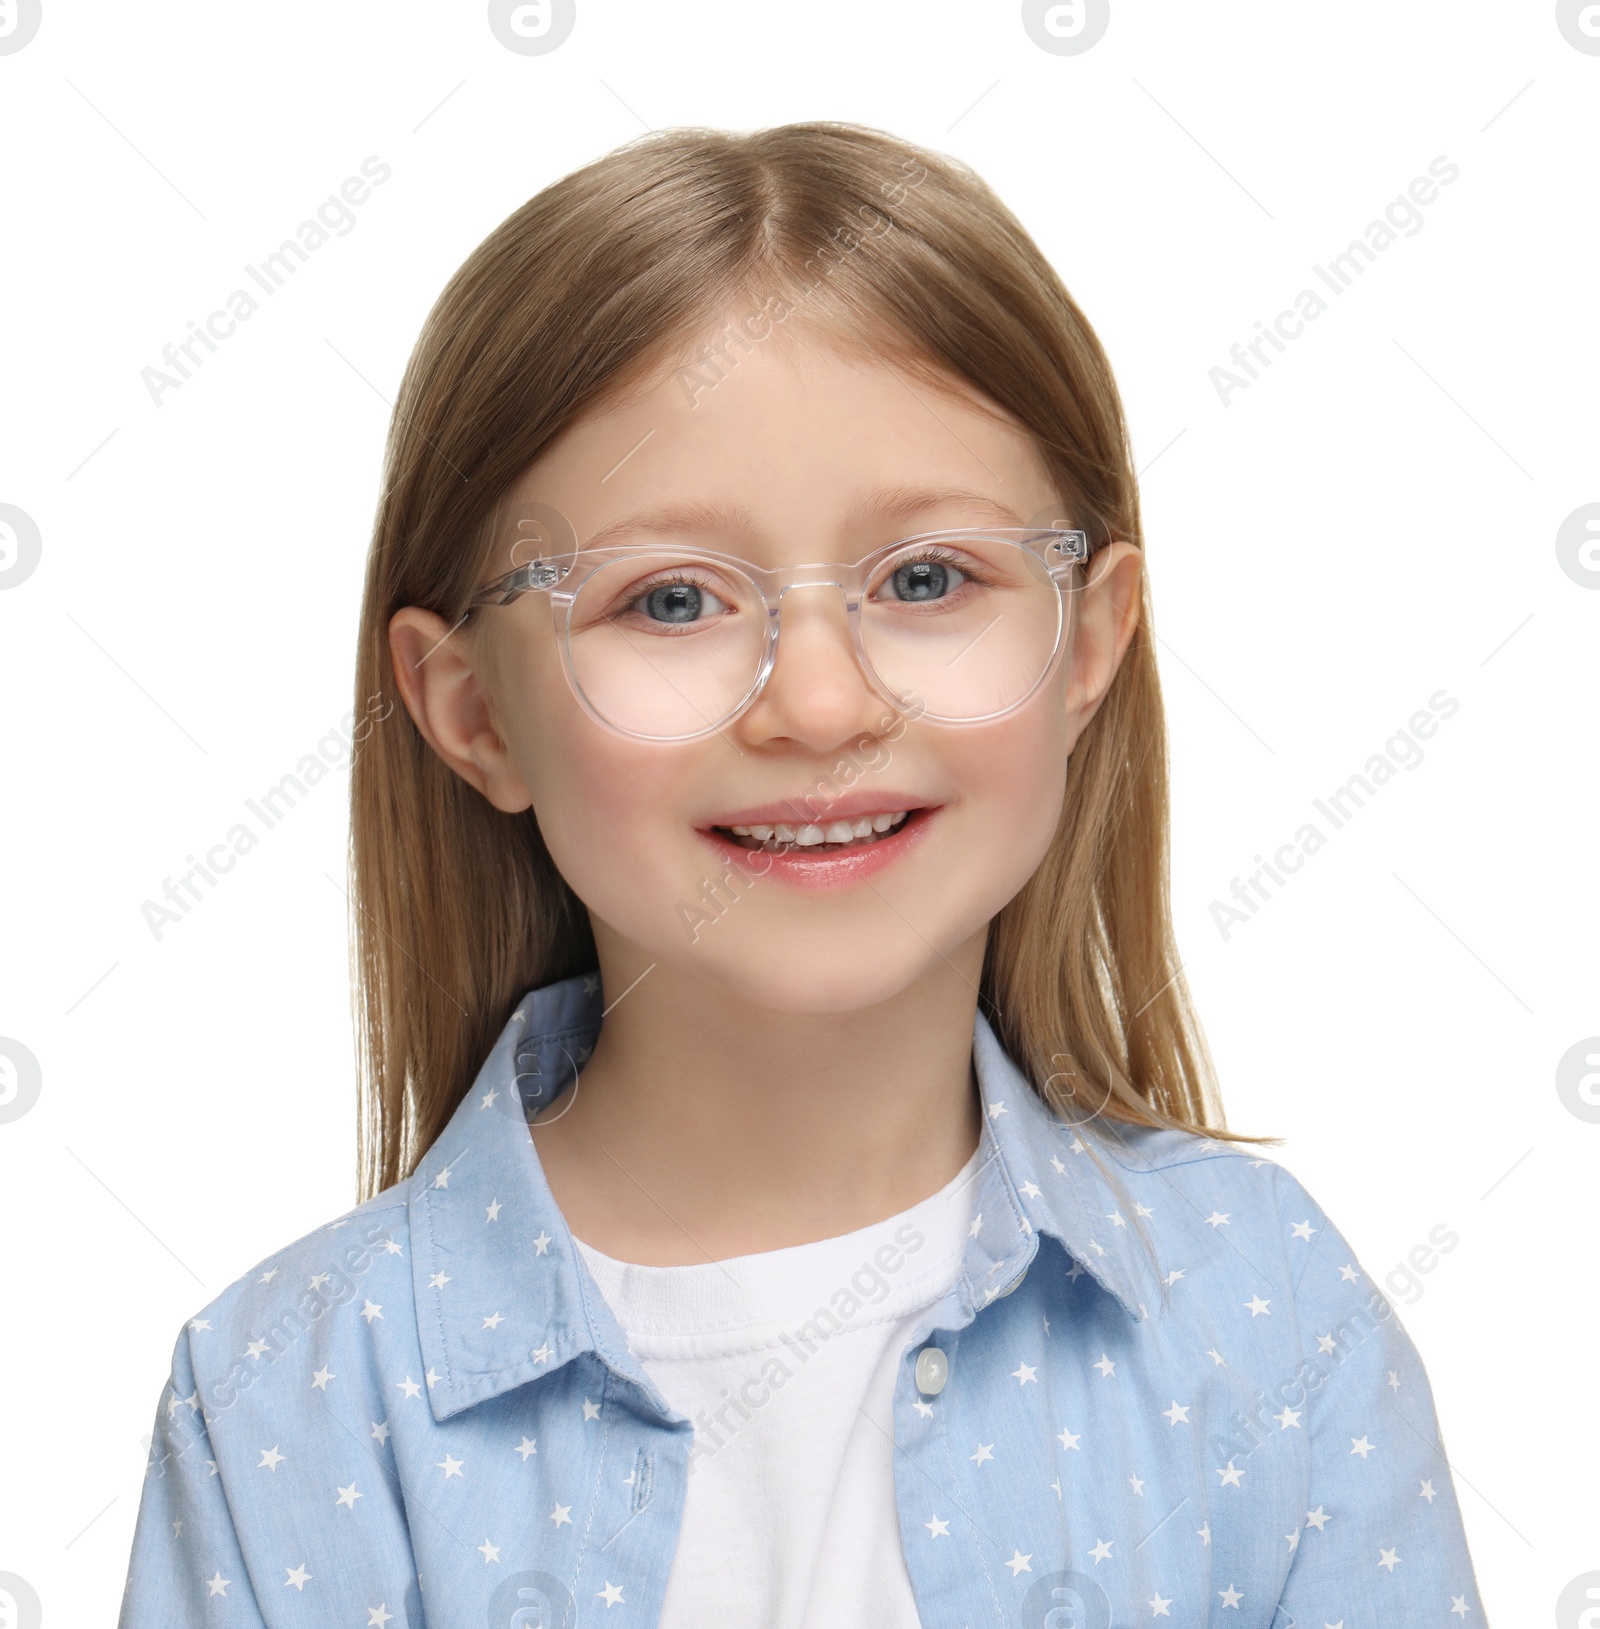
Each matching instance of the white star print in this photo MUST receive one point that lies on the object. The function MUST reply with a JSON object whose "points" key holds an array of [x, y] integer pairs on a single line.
{"points": [[1067, 1439], [562, 1514], [380, 1429], [217, 1585], [298, 1576], [611, 1594], [271, 1459], [369, 1312], [591, 1411], [409, 1387], [1388, 1559], [1257, 1306], [1158, 1607], [1426, 1491], [541, 1245], [542, 1354], [1302, 1230], [985, 1452], [1102, 1550], [1317, 1518], [1203, 1532], [319, 1381], [527, 1446], [922, 1408], [1019, 1563], [1217, 1219], [1106, 1367], [1458, 1605], [1022, 1374], [1178, 1414], [1290, 1416], [937, 1528], [493, 1211], [494, 1321], [488, 1099], [1231, 1475], [489, 1552], [1360, 1445], [1029, 1190], [1136, 1485], [378, 1616], [438, 1281], [451, 1467], [348, 1496], [1230, 1596]]}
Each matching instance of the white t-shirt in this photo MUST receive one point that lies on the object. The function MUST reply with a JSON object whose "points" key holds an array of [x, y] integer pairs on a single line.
{"points": [[786, 1362]]}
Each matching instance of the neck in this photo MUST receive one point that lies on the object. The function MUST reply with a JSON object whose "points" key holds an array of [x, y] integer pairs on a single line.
{"points": [[703, 1127]]}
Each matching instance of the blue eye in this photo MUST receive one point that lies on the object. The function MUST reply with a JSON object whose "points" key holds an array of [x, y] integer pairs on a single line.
{"points": [[673, 602], [679, 601], [927, 577]]}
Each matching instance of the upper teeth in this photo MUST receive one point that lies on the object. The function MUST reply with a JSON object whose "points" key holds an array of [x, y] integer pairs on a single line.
{"points": [[838, 831]]}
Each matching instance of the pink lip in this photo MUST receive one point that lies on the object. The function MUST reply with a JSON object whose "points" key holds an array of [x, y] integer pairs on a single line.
{"points": [[844, 868], [794, 811]]}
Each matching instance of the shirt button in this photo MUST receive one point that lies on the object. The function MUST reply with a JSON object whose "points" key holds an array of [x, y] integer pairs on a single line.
{"points": [[1012, 1285], [933, 1370]]}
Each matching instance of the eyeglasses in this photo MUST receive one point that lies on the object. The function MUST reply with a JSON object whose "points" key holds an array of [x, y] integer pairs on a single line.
{"points": [[666, 642]]}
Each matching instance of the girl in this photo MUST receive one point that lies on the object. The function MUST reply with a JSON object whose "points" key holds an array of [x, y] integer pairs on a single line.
{"points": [[798, 1193]]}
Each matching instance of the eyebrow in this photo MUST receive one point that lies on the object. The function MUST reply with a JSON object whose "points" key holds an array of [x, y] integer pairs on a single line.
{"points": [[897, 503]]}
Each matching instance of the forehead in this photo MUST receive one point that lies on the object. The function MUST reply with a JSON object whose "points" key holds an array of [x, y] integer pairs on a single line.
{"points": [[800, 429]]}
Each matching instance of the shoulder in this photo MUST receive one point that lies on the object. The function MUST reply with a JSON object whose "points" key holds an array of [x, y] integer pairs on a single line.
{"points": [[1232, 1194], [342, 1276]]}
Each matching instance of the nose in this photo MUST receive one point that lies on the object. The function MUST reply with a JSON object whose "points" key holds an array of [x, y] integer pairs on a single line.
{"points": [[816, 692]]}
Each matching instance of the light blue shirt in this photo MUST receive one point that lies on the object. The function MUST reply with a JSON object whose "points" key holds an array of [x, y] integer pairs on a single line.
{"points": [[1171, 1393]]}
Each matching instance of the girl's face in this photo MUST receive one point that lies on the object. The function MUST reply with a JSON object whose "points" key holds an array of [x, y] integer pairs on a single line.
{"points": [[808, 456]]}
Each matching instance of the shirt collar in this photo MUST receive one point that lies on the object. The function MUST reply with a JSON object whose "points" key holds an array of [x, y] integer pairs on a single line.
{"points": [[502, 1295]]}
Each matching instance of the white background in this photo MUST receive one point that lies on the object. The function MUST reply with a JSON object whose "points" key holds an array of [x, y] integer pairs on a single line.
{"points": [[1373, 520]]}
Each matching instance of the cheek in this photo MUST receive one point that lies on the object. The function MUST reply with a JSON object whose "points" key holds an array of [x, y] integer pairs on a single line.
{"points": [[1013, 774]]}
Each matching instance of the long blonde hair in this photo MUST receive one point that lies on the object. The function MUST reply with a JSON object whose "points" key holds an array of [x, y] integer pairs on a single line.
{"points": [[457, 908]]}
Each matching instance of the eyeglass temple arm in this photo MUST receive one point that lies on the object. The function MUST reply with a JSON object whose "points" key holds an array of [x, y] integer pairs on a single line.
{"points": [[536, 574]]}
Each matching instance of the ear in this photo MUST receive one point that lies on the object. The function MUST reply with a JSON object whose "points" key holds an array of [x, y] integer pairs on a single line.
{"points": [[440, 681], [1106, 610]]}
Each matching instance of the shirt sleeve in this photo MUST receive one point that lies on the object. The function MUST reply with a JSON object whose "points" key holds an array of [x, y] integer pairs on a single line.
{"points": [[186, 1569], [1383, 1541]]}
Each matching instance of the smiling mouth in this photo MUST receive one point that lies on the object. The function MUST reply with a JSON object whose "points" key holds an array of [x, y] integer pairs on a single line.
{"points": [[828, 837]]}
